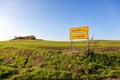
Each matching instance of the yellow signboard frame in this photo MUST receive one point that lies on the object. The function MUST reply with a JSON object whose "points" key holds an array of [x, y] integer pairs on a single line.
{"points": [[79, 29], [79, 33], [78, 36]]}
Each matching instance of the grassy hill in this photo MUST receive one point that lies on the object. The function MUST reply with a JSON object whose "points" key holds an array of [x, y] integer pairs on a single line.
{"points": [[41, 60]]}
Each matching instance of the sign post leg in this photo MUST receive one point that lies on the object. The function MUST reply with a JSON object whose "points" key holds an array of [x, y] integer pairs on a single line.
{"points": [[88, 45], [71, 47]]}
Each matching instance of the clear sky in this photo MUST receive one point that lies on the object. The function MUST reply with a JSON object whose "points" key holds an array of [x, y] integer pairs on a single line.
{"points": [[52, 19]]}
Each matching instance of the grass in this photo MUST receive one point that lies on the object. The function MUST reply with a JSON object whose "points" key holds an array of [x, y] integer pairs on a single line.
{"points": [[41, 60], [98, 46]]}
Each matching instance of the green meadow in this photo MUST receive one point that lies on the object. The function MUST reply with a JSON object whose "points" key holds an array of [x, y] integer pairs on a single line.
{"points": [[53, 60]]}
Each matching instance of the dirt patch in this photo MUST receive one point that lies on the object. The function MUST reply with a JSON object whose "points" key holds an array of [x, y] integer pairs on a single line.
{"points": [[71, 52], [112, 79], [108, 49], [1, 52], [24, 53], [8, 60], [111, 49], [37, 59], [55, 47]]}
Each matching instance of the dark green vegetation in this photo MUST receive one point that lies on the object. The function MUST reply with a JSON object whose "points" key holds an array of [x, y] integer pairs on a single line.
{"points": [[41, 60]]}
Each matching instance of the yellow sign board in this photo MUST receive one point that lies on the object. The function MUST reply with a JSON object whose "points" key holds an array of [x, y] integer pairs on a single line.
{"points": [[78, 36], [79, 29], [79, 33]]}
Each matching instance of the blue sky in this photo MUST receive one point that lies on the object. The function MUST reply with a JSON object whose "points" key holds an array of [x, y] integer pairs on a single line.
{"points": [[52, 19]]}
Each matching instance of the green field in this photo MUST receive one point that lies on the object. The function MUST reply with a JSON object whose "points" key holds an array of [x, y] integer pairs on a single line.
{"points": [[98, 46], [41, 60]]}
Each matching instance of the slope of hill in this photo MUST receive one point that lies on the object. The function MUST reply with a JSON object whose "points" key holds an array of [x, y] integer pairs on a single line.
{"points": [[35, 60]]}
